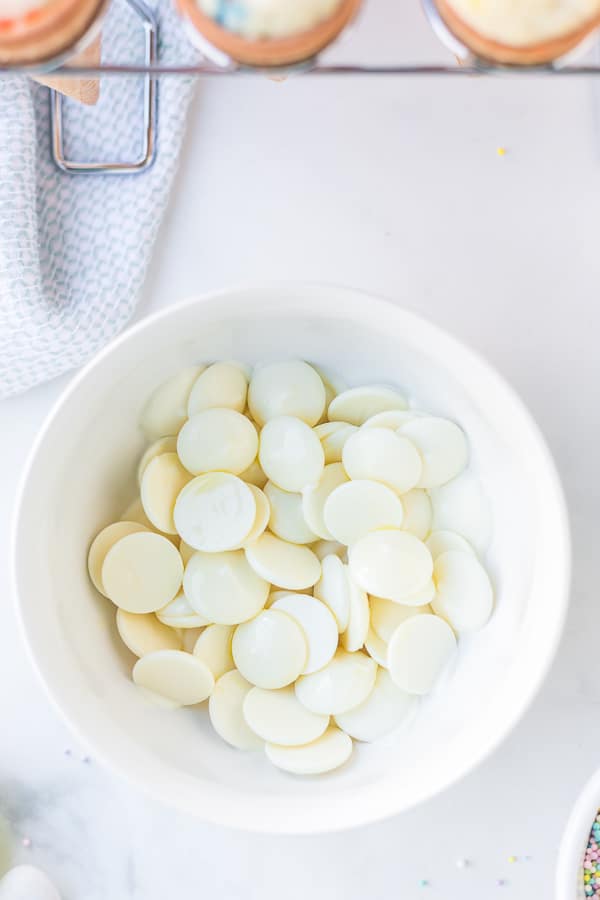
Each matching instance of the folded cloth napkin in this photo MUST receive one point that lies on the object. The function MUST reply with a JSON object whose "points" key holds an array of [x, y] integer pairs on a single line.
{"points": [[74, 249]]}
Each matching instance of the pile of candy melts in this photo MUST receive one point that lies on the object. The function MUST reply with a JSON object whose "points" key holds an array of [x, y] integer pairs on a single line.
{"points": [[280, 561]]}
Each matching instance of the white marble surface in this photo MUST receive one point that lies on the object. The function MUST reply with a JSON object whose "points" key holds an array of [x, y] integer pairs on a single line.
{"points": [[395, 187]]}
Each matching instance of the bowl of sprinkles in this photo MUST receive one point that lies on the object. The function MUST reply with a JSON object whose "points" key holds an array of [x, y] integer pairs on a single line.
{"points": [[578, 873]]}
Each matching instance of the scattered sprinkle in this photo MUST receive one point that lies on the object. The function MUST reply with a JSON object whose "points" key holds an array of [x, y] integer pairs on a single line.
{"points": [[423, 883], [512, 859], [527, 858], [501, 151], [86, 759], [26, 842], [500, 882], [68, 752], [463, 863]]}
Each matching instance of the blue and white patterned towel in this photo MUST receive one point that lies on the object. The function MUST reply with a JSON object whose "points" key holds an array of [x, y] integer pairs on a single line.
{"points": [[74, 250]]}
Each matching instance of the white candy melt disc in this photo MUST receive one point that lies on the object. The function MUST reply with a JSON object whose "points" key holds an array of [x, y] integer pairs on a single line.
{"points": [[263, 513], [343, 684], [215, 512], [102, 543], [245, 368], [355, 634], [279, 717], [144, 634], [328, 752], [213, 647], [163, 480], [277, 595], [321, 549], [387, 615], [221, 385], [333, 437], [421, 597], [189, 636], [391, 564], [166, 410], [162, 445], [464, 595], [462, 506], [225, 709], [319, 627], [376, 648], [418, 652], [175, 675], [254, 475], [332, 383], [290, 454], [270, 651], [358, 507], [315, 496], [223, 588], [290, 388], [359, 404], [287, 518], [379, 454], [217, 440], [386, 707], [135, 513], [332, 588], [179, 614], [393, 418], [417, 513], [186, 551], [142, 572], [443, 448], [287, 565], [440, 542]]}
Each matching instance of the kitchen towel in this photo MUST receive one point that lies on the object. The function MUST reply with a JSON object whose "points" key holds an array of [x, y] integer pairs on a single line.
{"points": [[74, 249]]}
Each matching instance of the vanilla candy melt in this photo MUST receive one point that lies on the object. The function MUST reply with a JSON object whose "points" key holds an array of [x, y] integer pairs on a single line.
{"points": [[215, 512]]}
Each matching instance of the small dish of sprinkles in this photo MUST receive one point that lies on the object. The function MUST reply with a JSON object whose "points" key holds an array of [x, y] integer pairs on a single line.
{"points": [[591, 861]]}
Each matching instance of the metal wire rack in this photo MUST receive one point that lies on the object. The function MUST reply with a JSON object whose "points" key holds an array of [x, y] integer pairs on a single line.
{"points": [[465, 65]]}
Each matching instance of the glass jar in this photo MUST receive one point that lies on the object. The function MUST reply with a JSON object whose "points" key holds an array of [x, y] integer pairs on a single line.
{"points": [[277, 34], [45, 32], [534, 32]]}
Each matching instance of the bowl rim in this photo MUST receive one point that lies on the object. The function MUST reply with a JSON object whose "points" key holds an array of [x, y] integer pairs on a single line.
{"points": [[339, 818], [574, 839]]}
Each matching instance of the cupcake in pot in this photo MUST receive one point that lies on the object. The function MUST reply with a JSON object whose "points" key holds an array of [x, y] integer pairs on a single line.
{"points": [[520, 32], [267, 33], [40, 31]]}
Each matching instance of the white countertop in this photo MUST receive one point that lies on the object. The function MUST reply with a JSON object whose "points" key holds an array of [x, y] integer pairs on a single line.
{"points": [[396, 187]]}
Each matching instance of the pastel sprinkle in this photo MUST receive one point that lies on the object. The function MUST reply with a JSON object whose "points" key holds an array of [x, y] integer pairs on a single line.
{"points": [[591, 862], [423, 883], [462, 863], [512, 859], [500, 882], [501, 151], [26, 842]]}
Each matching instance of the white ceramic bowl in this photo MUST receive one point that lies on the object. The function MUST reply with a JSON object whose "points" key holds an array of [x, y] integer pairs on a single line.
{"points": [[81, 475], [569, 873]]}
